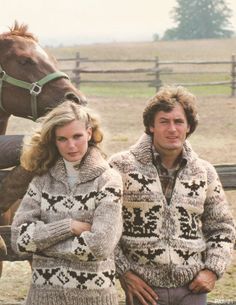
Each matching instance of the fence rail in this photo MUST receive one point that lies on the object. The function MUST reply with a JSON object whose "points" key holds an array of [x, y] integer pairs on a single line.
{"points": [[153, 75]]}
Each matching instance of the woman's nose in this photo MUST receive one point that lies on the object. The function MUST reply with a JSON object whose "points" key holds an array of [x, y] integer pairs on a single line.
{"points": [[71, 143]]}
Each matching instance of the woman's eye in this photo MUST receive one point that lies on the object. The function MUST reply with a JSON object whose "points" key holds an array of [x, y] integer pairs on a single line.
{"points": [[61, 139], [77, 136]]}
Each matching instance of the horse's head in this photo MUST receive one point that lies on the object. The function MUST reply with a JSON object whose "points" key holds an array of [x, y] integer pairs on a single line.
{"points": [[29, 75]]}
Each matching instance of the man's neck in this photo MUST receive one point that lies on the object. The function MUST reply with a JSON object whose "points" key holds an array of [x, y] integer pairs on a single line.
{"points": [[169, 158]]}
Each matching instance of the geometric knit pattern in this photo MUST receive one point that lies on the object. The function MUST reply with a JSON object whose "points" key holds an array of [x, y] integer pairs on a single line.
{"points": [[69, 278], [169, 243], [81, 266]]}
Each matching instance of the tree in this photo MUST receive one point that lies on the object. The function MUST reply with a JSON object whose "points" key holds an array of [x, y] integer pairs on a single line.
{"points": [[197, 19], [156, 37]]}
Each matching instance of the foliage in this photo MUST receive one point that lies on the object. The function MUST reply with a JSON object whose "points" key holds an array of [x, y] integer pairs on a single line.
{"points": [[198, 19], [156, 37]]}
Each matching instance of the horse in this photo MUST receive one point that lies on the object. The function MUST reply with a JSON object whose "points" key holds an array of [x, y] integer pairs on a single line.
{"points": [[30, 85], [30, 82]]}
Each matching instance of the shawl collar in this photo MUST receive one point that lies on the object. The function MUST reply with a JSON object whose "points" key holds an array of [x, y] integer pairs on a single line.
{"points": [[142, 150], [91, 166]]}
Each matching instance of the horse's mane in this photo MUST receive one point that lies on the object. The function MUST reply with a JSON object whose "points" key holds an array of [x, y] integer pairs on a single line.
{"points": [[19, 30]]}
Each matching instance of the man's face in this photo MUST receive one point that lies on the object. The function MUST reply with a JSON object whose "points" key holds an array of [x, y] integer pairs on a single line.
{"points": [[170, 130]]}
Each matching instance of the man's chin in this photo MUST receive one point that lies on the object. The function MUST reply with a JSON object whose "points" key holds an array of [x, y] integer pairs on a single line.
{"points": [[174, 147]]}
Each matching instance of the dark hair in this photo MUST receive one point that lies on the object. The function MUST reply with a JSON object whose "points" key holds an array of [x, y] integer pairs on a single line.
{"points": [[165, 100]]}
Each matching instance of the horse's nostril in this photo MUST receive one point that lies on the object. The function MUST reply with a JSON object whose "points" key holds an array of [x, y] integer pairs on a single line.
{"points": [[80, 99]]}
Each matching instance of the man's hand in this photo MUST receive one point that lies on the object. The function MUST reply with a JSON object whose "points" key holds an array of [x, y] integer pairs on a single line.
{"points": [[203, 282], [78, 227], [134, 286]]}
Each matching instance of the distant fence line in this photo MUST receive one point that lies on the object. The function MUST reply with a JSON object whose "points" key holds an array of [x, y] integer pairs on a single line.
{"points": [[159, 69]]}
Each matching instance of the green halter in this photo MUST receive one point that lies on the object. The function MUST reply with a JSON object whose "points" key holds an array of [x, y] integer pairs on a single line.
{"points": [[34, 88]]}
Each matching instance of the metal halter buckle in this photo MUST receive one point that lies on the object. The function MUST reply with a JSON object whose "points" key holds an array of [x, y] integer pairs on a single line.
{"points": [[35, 89], [2, 74]]}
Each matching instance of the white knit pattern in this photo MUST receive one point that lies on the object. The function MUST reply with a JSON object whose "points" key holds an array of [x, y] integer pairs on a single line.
{"points": [[82, 268], [168, 244]]}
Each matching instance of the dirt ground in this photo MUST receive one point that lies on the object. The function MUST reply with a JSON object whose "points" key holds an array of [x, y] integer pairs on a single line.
{"points": [[214, 140]]}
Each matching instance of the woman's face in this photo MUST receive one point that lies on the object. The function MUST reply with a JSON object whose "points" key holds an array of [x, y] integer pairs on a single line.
{"points": [[72, 140]]}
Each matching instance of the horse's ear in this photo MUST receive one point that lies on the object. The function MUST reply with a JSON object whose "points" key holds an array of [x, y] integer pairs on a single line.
{"points": [[21, 30]]}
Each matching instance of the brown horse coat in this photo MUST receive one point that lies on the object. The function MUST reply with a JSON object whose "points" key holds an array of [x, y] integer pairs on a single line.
{"points": [[10, 147]]}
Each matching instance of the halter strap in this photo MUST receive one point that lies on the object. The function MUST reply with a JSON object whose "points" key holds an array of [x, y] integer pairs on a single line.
{"points": [[34, 88]]}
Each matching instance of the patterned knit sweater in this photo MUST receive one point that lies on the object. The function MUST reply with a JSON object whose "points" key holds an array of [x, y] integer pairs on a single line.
{"points": [[168, 244], [68, 269]]}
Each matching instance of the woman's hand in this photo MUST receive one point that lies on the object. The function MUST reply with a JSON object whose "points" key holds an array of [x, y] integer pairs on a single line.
{"points": [[78, 227]]}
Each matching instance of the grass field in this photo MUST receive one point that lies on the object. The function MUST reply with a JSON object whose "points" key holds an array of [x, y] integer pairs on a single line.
{"points": [[120, 109], [196, 50]]}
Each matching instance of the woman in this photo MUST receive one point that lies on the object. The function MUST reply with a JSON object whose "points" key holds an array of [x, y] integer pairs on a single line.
{"points": [[70, 217]]}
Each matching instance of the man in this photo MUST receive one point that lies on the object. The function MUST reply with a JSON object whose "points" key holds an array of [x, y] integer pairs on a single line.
{"points": [[178, 232]]}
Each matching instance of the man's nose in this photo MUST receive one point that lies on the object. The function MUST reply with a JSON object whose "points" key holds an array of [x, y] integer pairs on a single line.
{"points": [[172, 126]]}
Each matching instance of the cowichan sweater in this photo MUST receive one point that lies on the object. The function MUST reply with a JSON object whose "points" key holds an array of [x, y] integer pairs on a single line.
{"points": [[168, 244], [69, 269]]}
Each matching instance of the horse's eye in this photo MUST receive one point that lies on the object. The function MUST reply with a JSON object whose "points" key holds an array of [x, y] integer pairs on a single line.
{"points": [[26, 60]]}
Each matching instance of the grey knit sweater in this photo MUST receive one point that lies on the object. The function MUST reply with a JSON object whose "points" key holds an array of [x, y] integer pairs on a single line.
{"points": [[68, 269], [168, 244]]}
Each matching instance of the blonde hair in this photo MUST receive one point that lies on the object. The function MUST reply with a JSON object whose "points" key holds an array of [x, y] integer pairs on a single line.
{"points": [[40, 153], [165, 100]]}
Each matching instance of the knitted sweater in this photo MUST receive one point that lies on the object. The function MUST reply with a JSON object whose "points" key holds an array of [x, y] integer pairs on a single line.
{"points": [[69, 269], [168, 244]]}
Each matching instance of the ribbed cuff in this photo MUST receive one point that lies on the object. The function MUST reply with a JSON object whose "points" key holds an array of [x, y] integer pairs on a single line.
{"points": [[52, 233], [122, 267], [216, 264], [60, 228]]}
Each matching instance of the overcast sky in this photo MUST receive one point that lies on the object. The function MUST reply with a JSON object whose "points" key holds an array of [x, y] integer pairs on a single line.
{"points": [[87, 21]]}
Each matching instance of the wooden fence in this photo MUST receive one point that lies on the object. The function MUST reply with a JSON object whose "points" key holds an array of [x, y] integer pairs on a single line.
{"points": [[153, 72]]}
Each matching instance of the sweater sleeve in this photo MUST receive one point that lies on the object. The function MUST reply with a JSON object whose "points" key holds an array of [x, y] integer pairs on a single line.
{"points": [[29, 233], [106, 229], [122, 263], [218, 226]]}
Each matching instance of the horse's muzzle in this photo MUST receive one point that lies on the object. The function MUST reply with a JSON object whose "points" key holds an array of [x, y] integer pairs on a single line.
{"points": [[81, 99]]}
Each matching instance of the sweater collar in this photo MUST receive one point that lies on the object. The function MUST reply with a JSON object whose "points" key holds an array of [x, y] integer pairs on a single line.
{"points": [[142, 150], [91, 166]]}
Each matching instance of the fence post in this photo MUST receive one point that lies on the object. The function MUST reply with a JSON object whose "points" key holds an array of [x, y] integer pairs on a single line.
{"points": [[76, 71], [233, 76], [157, 74]]}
